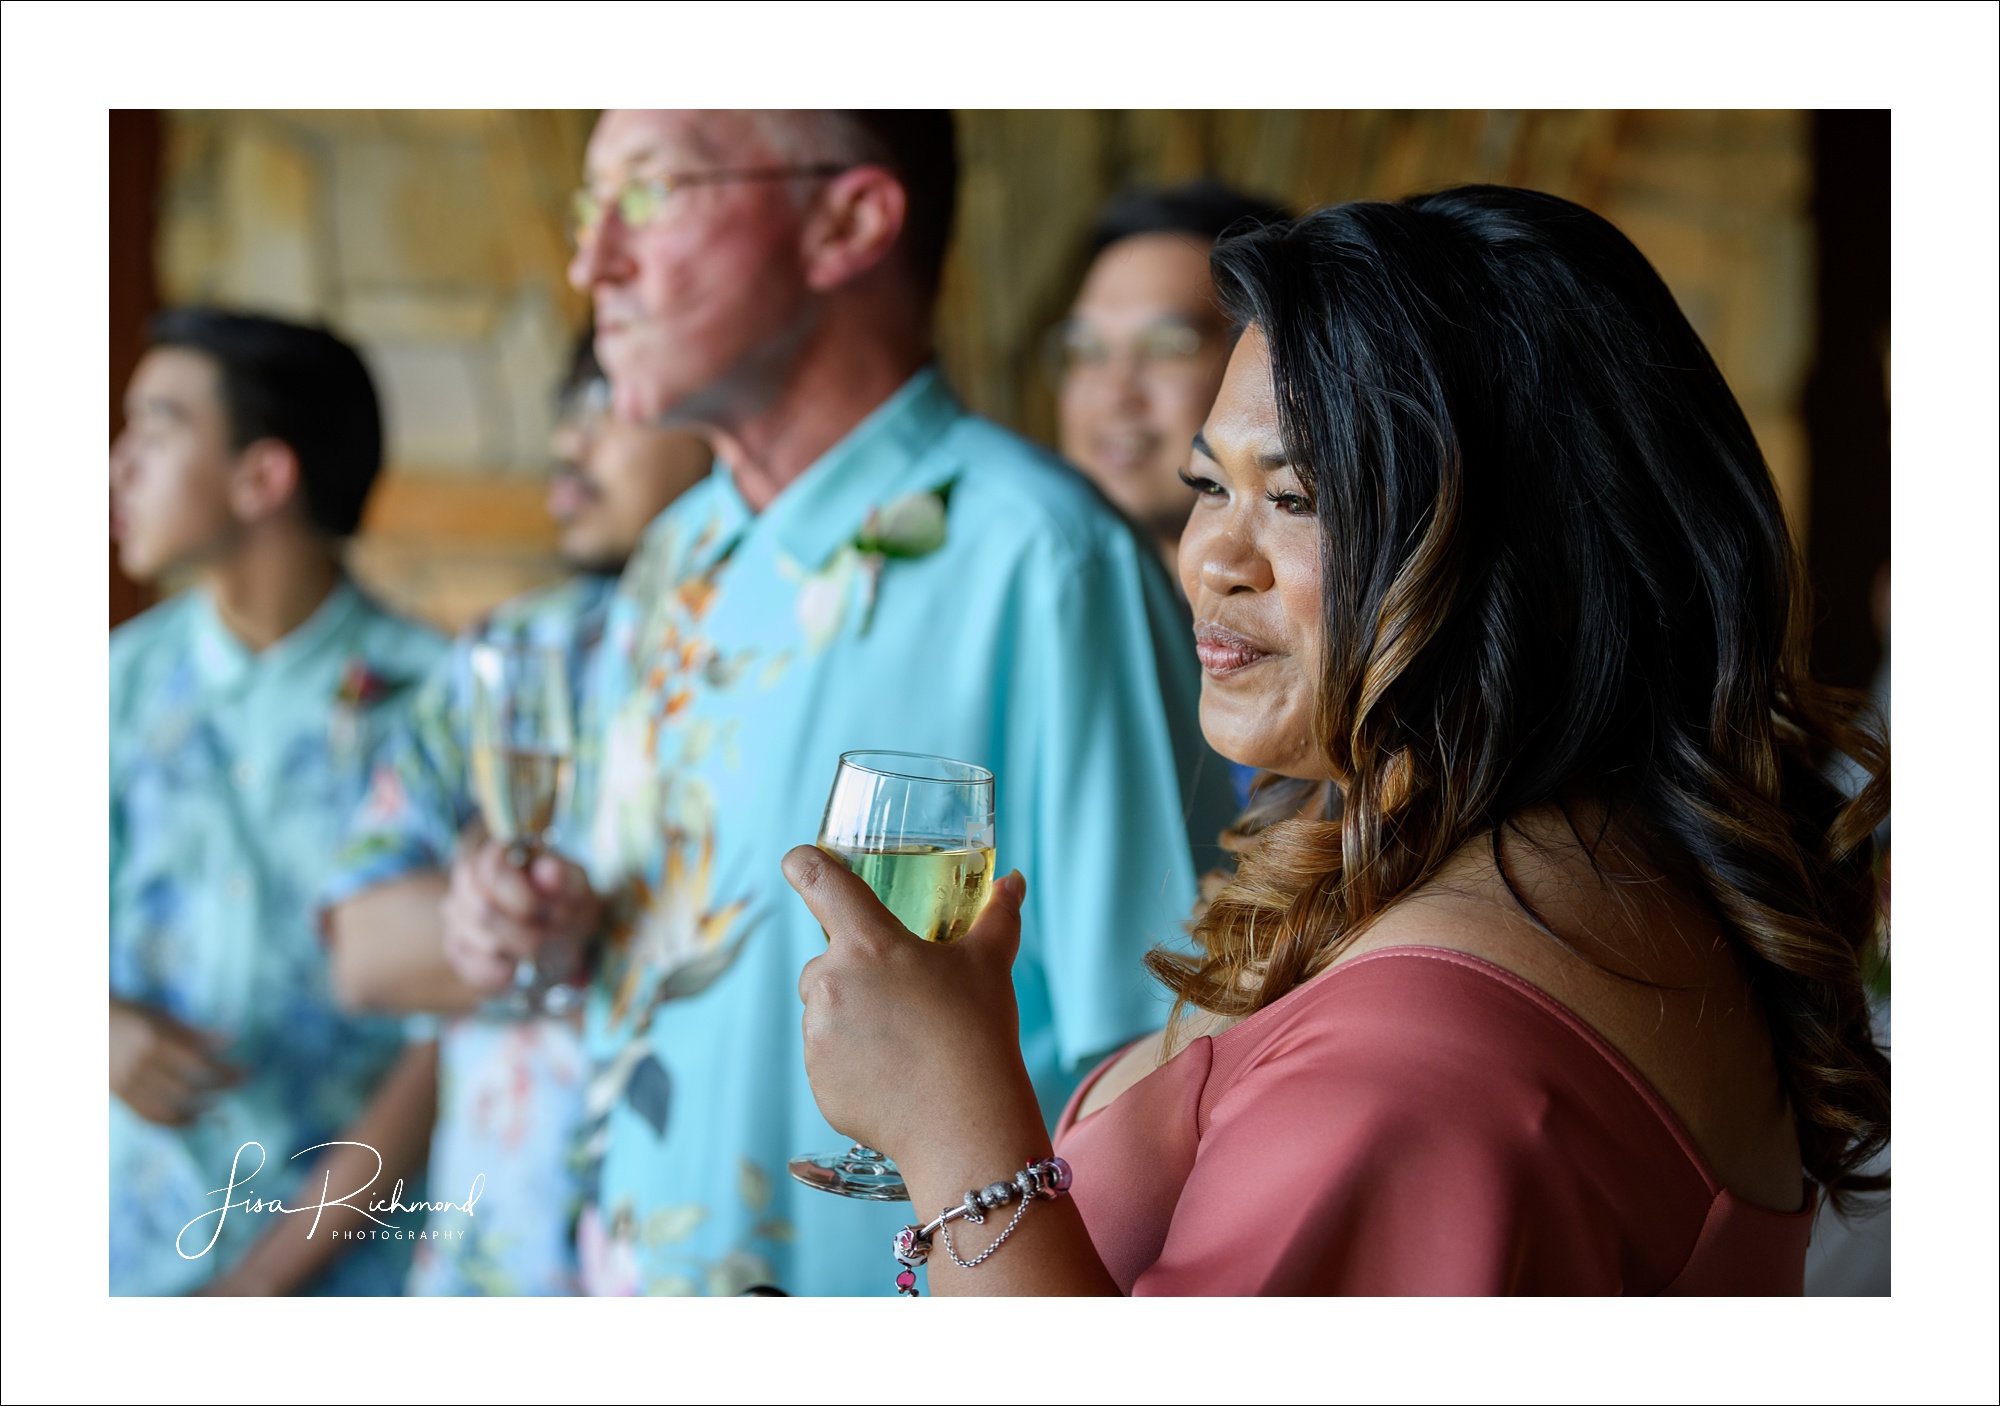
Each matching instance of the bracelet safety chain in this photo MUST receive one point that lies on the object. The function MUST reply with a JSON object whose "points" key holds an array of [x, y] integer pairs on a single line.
{"points": [[1038, 1181]]}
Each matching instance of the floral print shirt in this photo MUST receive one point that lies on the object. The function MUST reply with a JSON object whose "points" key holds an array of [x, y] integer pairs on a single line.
{"points": [[1032, 633], [232, 775], [510, 1092]]}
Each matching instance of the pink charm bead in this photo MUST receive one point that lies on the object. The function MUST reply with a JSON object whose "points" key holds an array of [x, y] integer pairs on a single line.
{"points": [[906, 1282]]}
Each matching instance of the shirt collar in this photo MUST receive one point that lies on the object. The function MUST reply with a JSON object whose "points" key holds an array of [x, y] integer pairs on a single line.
{"points": [[223, 661], [728, 514], [879, 459]]}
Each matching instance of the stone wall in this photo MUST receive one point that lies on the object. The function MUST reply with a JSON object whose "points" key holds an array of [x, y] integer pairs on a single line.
{"points": [[435, 240], [1717, 200]]}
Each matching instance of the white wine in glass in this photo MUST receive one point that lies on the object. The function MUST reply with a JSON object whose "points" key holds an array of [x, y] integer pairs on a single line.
{"points": [[523, 737], [935, 891], [918, 830]]}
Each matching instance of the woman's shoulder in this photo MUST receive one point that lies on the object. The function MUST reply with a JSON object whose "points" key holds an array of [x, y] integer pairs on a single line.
{"points": [[1418, 1120], [1431, 1046], [1621, 961], [1416, 1007]]}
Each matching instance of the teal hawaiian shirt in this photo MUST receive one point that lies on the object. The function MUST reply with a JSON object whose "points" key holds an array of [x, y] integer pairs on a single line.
{"points": [[744, 653], [510, 1092], [233, 773]]}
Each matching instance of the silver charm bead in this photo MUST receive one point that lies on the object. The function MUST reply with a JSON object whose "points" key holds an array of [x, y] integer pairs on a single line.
{"points": [[998, 1194], [911, 1247]]}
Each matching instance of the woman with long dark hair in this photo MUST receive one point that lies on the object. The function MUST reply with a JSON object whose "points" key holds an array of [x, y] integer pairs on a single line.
{"points": [[1540, 970]]}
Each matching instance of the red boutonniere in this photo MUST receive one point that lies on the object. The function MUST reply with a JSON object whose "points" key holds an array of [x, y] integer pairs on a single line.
{"points": [[361, 686]]}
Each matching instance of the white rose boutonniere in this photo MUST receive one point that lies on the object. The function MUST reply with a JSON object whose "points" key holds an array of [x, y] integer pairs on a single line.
{"points": [[907, 527]]}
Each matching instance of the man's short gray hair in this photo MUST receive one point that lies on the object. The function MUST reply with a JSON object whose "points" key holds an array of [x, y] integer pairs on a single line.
{"points": [[815, 136], [916, 145]]}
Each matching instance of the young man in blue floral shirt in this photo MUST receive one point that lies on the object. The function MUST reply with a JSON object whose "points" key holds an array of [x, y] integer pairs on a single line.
{"points": [[245, 712], [510, 1094]]}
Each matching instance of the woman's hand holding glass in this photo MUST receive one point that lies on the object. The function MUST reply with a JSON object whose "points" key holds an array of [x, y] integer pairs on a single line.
{"points": [[914, 1047]]}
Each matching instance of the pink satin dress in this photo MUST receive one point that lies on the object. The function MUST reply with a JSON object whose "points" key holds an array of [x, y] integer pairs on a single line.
{"points": [[1416, 1121]]}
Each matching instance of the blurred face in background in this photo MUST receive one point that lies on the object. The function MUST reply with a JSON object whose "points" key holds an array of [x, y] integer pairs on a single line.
{"points": [[614, 477], [171, 466], [692, 302], [1142, 357]]}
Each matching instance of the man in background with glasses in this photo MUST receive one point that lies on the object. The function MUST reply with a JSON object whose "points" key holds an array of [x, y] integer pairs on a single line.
{"points": [[510, 1086], [1139, 359], [872, 567]]}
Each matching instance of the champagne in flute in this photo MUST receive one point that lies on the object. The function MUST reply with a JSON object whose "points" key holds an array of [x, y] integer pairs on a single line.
{"points": [[519, 788], [522, 740], [918, 830]]}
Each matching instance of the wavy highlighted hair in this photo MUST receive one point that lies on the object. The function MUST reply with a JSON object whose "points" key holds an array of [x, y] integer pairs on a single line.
{"points": [[1553, 561]]}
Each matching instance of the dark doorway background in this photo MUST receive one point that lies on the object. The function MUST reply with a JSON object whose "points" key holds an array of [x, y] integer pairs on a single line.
{"points": [[135, 195], [1847, 394]]}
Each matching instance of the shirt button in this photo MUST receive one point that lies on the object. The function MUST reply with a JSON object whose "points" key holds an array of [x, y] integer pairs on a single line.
{"points": [[245, 774], [239, 885]]}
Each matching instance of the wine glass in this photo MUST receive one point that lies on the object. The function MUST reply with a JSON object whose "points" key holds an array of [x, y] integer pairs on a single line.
{"points": [[918, 830], [523, 739]]}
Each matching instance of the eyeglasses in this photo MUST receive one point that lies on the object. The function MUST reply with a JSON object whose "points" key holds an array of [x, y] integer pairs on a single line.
{"points": [[640, 202], [1072, 348]]}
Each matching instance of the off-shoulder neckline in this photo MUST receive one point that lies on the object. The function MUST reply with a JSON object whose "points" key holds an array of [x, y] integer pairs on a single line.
{"points": [[1520, 987]]}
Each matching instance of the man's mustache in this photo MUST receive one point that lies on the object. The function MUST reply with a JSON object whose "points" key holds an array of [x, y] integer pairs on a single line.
{"points": [[574, 476]]}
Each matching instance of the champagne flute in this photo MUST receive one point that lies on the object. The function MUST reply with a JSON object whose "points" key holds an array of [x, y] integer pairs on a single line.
{"points": [[523, 739], [918, 830]]}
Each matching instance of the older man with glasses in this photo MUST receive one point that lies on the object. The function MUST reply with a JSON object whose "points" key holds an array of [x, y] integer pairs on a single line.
{"points": [[870, 566]]}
